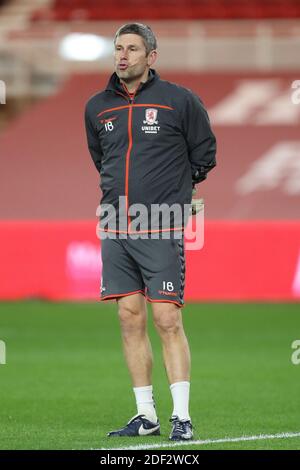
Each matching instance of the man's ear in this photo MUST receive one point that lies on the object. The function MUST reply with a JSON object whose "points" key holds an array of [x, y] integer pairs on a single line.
{"points": [[152, 56]]}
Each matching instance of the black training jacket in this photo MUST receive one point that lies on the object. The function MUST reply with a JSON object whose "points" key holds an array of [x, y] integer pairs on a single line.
{"points": [[150, 147]]}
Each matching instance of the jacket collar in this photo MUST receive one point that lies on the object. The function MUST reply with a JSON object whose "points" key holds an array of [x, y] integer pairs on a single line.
{"points": [[114, 83]]}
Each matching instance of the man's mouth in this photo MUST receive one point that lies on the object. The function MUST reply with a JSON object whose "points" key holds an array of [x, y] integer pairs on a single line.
{"points": [[122, 66]]}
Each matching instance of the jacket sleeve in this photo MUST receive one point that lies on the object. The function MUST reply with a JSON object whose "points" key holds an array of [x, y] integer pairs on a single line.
{"points": [[93, 141], [200, 139]]}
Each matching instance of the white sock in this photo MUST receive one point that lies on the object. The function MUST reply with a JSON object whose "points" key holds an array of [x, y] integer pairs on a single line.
{"points": [[181, 394], [145, 403]]}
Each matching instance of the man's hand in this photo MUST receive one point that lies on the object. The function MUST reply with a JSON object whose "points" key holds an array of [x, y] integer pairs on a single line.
{"points": [[197, 204]]}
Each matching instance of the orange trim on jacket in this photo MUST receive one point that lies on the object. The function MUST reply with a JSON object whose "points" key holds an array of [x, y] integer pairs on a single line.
{"points": [[135, 106], [130, 143]]}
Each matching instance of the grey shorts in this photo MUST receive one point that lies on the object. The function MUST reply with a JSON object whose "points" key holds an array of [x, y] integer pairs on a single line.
{"points": [[152, 267]]}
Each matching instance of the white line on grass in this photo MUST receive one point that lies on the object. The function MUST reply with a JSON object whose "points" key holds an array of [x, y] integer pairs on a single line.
{"points": [[260, 437]]}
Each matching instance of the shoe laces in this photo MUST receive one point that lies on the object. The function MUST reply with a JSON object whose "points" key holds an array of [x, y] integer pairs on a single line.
{"points": [[179, 426], [135, 418]]}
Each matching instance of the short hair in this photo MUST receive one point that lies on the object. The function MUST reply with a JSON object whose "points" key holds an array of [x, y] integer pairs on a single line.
{"points": [[142, 30]]}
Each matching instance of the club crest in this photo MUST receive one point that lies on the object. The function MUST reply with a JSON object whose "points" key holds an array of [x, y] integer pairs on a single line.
{"points": [[150, 116]]}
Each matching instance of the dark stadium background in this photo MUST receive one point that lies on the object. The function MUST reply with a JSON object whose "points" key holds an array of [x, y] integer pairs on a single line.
{"points": [[242, 308]]}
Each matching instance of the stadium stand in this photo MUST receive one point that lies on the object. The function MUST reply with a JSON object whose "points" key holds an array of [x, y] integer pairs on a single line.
{"points": [[95, 10], [238, 190]]}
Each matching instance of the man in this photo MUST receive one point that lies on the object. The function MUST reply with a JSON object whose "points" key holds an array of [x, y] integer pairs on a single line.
{"points": [[151, 142]]}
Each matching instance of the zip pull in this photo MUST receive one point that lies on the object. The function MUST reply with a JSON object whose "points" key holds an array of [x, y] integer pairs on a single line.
{"points": [[130, 96]]}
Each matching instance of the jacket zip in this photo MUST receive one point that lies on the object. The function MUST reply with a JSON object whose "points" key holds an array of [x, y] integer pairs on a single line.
{"points": [[127, 163], [130, 143], [130, 99]]}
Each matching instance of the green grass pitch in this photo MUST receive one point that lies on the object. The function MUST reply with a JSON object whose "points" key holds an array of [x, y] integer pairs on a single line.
{"points": [[65, 383]]}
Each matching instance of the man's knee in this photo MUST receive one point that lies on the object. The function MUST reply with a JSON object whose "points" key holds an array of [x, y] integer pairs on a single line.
{"points": [[167, 319], [132, 315]]}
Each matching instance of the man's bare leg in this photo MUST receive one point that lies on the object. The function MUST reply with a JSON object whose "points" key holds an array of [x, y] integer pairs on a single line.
{"points": [[167, 319], [168, 322], [138, 351], [136, 343]]}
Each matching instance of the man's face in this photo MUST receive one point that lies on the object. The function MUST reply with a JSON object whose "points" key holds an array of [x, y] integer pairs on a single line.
{"points": [[131, 61]]}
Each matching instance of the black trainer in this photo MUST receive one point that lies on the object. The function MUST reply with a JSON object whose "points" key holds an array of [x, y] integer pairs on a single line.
{"points": [[139, 425], [182, 430]]}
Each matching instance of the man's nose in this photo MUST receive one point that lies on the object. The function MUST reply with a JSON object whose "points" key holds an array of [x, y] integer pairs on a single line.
{"points": [[124, 54]]}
